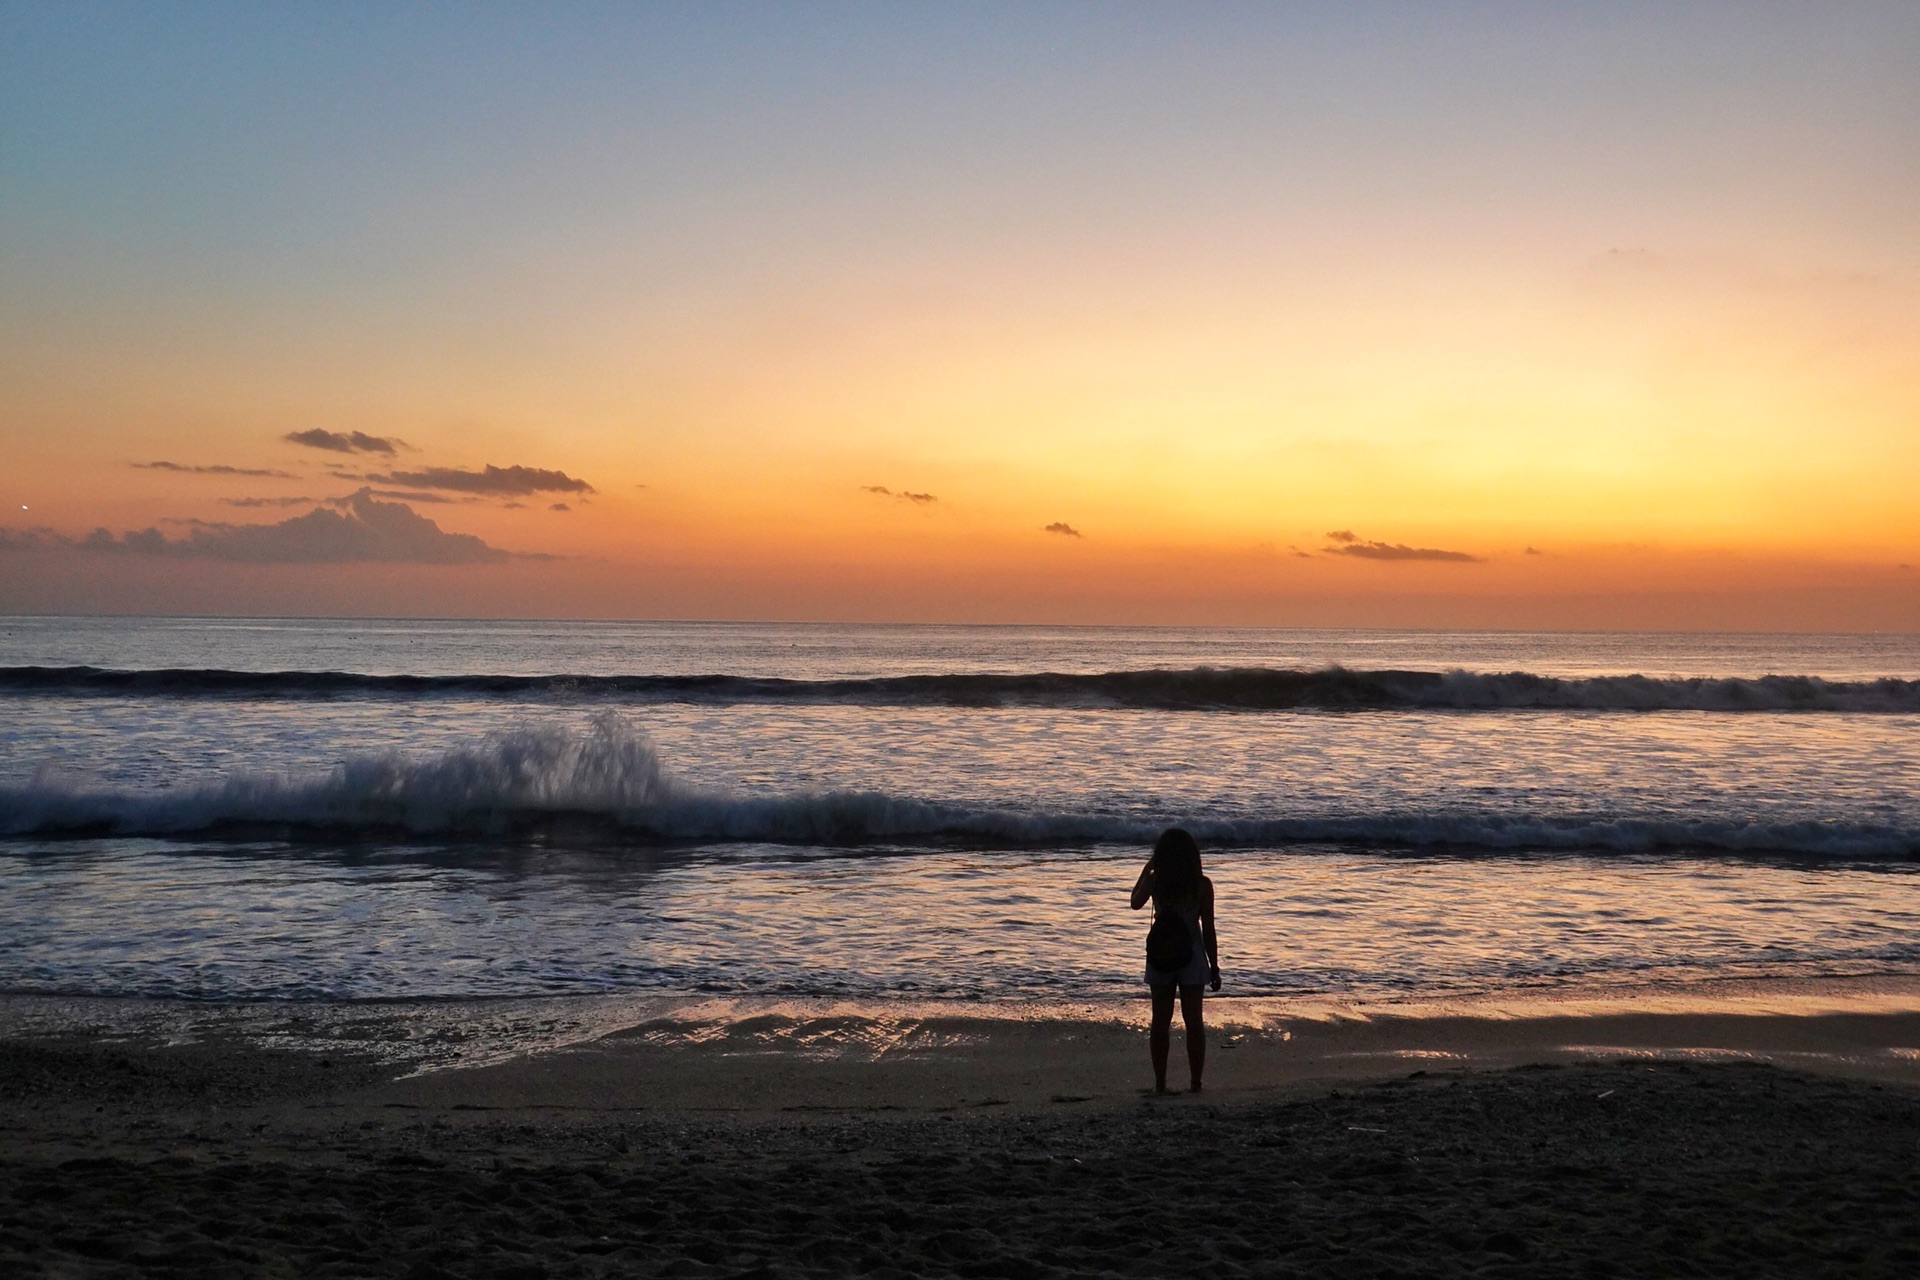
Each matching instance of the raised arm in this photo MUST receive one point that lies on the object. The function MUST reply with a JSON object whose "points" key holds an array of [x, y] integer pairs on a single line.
{"points": [[1208, 933], [1143, 887]]}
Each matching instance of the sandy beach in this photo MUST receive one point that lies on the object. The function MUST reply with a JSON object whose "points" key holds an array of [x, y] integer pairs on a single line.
{"points": [[1771, 1130]]}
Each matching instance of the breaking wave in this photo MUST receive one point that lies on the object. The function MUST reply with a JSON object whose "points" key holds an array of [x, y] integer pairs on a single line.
{"points": [[609, 777], [1197, 688]]}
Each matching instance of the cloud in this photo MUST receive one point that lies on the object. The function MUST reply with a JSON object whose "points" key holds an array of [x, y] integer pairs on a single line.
{"points": [[403, 495], [903, 495], [1062, 528], [1347, 544], [1534, 551], [514, 481], [38, 538], [370, 530], [559, 506], [345, 441], [267, 502], [215, 470]]}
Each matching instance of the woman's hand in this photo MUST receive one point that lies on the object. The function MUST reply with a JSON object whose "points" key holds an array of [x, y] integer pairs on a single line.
{"points": [[1216, 977], [1143, 887]]}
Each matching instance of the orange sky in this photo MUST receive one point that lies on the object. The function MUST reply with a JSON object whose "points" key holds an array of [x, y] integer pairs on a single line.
{"points": [[1602, 323]]}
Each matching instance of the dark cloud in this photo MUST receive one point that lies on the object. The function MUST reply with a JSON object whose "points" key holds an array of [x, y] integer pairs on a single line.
{"points": [[345, 441], [38, 538], [394, 495], [405, 495], [1352, 546], [369, 530], [1063, 528], [267, 502], [147, 541], [1535, 551], [214, 471], [503, 481], [559, 506], [903, 495], [1342, 535]]}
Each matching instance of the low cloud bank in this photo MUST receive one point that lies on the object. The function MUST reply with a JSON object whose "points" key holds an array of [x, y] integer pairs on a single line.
{"points": [[1347, 543], [368, 530], [214, 470], [403, 495], [880, 490], [345, 441], [502, 481]]}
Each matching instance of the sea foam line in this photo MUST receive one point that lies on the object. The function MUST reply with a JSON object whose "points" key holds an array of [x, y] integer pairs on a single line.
{"points": [[610, 776]]}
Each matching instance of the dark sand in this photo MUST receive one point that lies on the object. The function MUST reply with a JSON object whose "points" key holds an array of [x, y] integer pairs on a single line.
{"points": [[1322, 1148]]}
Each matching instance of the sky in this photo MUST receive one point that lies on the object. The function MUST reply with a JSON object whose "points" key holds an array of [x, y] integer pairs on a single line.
{"points": [[1513, 315]]}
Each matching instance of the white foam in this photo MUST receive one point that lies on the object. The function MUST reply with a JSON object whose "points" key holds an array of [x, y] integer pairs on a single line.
{"points": [[610, 772]]}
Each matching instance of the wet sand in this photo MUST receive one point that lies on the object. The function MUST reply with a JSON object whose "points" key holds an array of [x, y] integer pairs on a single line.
{"points": [[1767, 1131]]}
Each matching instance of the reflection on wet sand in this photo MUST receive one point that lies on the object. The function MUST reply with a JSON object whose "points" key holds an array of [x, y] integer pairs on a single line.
{"points": [[728, 1051]]}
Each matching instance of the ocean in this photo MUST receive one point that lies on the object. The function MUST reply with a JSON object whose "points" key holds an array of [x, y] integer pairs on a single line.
{"points": [[227, 809]]}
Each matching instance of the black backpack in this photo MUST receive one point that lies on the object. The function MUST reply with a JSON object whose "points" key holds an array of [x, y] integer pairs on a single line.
{"points": [[1169, 943]]}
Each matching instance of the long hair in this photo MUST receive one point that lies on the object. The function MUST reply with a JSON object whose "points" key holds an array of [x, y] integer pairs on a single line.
{"points": [[1176, 866]]}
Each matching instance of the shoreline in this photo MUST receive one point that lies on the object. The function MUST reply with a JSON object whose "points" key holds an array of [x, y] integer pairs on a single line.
{"points": [[712, 1053]]}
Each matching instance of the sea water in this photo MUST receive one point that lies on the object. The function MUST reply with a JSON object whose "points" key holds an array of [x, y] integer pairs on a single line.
{"points": [[229, 809]]}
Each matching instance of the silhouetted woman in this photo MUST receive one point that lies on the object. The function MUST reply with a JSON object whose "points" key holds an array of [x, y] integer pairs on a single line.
{"points": [[1183, 951]]}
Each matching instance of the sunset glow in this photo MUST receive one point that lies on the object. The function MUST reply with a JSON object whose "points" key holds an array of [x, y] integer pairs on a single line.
{"points": [[1483, 317]]}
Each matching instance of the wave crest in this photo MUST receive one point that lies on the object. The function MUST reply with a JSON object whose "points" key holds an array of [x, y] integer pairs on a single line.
{"points": [[1196, 688], [609, 776]]}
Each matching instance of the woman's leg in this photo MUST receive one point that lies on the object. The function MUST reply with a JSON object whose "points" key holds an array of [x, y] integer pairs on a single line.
{"points": [[1161, 1032], [1191, 1014]]}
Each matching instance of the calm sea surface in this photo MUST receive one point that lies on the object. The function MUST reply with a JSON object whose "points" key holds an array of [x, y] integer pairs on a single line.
{"points": [[234, 808]]}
